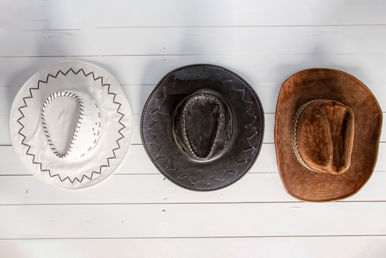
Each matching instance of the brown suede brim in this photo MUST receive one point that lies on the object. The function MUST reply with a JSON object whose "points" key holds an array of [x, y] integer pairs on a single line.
{"points": [[311, 84]]}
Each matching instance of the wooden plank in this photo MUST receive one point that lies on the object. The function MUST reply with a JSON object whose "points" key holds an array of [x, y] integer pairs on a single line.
{"points": [[137, 161], [197, 40], [192, 220], [73, 14], [272, 68], [289, 247], [154, 188], [4, 130], [145, 189]]}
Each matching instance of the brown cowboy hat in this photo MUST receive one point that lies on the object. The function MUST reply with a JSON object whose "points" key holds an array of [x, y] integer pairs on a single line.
{"points": [[327, 133]]}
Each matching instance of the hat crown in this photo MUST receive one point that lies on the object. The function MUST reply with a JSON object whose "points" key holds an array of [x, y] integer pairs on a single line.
{"points": [[323, 136], [202, 126], [72, 123]]}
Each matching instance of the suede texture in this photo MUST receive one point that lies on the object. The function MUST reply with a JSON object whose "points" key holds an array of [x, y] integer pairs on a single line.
{"points": [[353, 165], [325, 134]]}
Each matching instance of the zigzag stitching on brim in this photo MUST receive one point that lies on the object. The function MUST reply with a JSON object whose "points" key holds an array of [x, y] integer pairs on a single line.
{"points": [[72, 181]]}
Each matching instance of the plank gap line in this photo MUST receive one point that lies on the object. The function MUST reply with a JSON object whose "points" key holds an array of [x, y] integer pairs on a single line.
{"points": [[194, 237]]}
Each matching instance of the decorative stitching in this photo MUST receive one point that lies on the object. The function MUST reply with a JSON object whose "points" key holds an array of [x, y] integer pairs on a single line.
{"points": [[77, 127], [218, 129], [72, 181]]}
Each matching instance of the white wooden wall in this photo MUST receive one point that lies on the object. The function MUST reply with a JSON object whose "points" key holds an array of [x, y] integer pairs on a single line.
{"points": [[137, 212]]}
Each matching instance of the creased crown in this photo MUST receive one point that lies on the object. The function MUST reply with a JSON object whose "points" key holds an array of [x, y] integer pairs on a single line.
{"points": [[72, 123], [323, 135], [202, 126]]}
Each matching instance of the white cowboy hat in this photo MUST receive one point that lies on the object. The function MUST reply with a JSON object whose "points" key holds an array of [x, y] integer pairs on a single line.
{"points": [[70, 124]]}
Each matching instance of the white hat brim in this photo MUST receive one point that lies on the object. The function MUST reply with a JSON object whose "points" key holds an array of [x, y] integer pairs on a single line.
{"points": [[27, 133]]}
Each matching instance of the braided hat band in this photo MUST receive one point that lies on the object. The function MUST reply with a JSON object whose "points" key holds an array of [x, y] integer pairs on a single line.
{"points": [[293, 134]]}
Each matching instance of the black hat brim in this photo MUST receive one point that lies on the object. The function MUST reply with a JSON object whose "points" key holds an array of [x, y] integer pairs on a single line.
{"points": [[157, 127]]}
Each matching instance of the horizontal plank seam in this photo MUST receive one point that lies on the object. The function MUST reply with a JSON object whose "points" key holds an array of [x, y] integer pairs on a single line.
{"points": [[192, 54], [182, 203], [154, 84], [139, 144], [195, 237], [138, 114], [243, 26], [210, 26], [116, 55], [157, 174]]}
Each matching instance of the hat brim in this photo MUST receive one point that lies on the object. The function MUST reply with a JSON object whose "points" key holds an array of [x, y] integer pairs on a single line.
{"points": [[311, 84], [157, 127]]}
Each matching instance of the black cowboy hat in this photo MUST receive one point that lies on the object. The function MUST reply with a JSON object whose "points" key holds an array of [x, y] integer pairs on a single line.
{"points": [[202, 127]]}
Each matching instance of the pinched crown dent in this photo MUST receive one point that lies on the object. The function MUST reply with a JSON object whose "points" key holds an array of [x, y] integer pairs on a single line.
{"points": [[322, 136], [202, 126]]}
